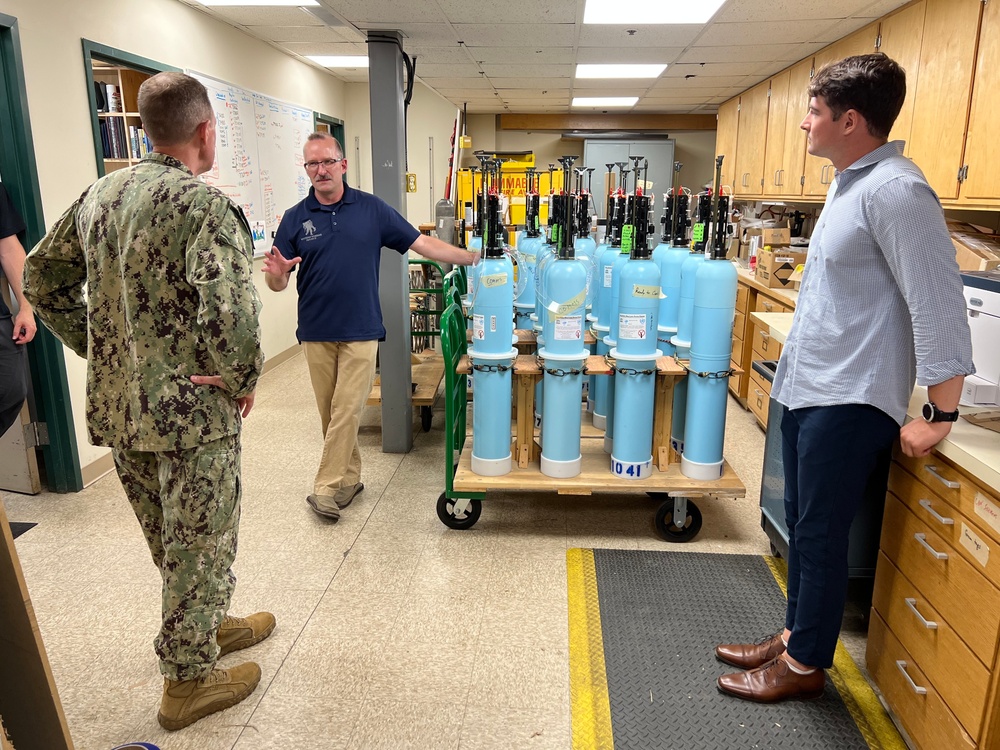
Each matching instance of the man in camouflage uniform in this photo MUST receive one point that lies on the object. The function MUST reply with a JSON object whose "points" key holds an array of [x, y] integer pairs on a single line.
{"points": [[148, 276]]}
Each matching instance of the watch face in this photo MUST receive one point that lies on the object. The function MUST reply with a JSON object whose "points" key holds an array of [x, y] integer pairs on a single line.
{"points": [[928, 412]]}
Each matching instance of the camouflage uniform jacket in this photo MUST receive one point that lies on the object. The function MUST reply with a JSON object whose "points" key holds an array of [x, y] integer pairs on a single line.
{"points": [[149, 276]]}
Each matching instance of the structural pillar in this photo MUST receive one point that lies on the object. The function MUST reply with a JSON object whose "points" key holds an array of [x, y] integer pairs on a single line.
{"points": [[386, 92]]}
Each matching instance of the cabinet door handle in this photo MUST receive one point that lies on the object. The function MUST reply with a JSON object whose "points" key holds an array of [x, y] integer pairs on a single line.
{"points": [[922, 538], [767, 306], [901, 665], [912, 604], [926, 505], [946, 482], [781, 181]]}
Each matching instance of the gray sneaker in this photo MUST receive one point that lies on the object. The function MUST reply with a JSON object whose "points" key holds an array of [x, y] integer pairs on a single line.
{"points": [[324, 506], [346, 494]]}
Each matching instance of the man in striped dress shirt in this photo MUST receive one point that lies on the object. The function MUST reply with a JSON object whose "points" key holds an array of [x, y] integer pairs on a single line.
{"points": [[880, 308]]}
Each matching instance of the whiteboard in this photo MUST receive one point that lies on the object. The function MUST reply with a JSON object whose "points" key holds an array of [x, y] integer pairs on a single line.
{"points": [[258, 154]]}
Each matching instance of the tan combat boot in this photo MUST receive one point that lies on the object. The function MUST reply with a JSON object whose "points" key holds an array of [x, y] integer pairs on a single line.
{"points": [[186, 701], [242, 632]]}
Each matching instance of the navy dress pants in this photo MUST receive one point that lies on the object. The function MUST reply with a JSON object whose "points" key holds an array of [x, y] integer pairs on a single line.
{"points": [[833, 457]]}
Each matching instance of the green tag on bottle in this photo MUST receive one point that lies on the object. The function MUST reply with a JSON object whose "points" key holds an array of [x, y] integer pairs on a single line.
{"points": [[698, 232], [556, 234], [628, 235]]}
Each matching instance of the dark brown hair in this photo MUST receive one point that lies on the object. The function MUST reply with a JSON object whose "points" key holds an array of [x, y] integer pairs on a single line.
{"points": [[873, 85]]}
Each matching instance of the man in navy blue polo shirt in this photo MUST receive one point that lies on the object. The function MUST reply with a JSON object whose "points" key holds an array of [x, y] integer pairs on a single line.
{"points": [[335, 236]]}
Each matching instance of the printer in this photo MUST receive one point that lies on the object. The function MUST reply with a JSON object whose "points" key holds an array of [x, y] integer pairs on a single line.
{"points": [[982, 301]]}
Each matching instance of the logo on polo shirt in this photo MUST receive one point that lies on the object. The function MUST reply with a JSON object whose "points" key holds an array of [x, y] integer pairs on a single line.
{"points": [[309, 230]]}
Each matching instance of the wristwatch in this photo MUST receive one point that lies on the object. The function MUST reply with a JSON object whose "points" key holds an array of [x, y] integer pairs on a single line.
{"points": [[932, 414]]}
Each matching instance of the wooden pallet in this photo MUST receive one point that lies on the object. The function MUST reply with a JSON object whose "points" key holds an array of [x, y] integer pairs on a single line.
{"points": [[595, 476]]}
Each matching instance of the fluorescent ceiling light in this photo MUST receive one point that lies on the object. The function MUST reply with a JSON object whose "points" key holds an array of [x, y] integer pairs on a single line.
{"points": [[619, 71], [604, 101], [621, 12], [283, 3], [340, 61]]}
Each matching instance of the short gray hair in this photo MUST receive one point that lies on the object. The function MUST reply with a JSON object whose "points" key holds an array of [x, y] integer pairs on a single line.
{"points": [[172, 106]]}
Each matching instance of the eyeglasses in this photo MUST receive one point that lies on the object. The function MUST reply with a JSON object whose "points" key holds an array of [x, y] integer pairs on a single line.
{"points": [[312, 166]]}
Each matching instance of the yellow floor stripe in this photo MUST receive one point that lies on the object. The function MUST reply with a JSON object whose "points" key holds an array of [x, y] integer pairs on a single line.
{"points": [[866, 710], [588, 679]]}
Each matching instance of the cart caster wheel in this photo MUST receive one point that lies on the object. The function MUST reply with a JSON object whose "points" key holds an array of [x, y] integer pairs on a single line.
{"points": [[426, 417], [775, 552], [463, 520], [669, 531]]}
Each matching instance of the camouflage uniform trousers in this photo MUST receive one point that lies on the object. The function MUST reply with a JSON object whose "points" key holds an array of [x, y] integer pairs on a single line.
{"points": [[188, 504]]}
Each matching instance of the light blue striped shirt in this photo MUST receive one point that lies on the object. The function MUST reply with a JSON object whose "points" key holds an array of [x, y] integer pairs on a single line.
{"points": [[881, 300]]}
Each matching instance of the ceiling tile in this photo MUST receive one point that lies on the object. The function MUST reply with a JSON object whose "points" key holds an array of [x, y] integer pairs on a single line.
{"points": [[249, 15], [764, 32], [598, 87], [421, 34], [736, 53], [787, 10], [526, 83], [649, 55], [438, 55], [299, 34], [529, 71], [517, 34], [592, 35], [541, 55], [540, 93], [550, 11], [318, 48], [450, 70], [363, 13], [451, 82], [879, 8]]}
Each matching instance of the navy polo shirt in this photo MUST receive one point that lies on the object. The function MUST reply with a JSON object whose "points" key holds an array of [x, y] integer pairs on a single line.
{"points": [[341, 246], [11, 224]]}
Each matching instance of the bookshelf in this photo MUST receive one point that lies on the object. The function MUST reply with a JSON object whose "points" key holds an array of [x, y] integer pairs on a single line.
{"points": [[122, 138]]}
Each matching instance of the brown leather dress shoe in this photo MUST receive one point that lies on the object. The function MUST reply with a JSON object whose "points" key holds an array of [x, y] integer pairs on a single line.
{"points": [[751, 655], [773, 682]]}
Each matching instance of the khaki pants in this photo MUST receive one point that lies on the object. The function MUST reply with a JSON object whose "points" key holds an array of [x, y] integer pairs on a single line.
{"points": [[188, 504], [341, 373]]}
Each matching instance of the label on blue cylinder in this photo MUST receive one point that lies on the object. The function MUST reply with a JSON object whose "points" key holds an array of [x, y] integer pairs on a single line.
{"points": [[493, 280], [631, 326], [643, 291], [569, 328], [631, 470], [478, 327], [607, 275]]}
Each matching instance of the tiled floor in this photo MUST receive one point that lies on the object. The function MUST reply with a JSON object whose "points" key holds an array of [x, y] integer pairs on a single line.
{"points": [[393, 631]]}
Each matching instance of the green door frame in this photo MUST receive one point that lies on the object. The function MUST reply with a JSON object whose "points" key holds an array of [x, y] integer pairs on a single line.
{"points": [[336, 126], [45, 352]]}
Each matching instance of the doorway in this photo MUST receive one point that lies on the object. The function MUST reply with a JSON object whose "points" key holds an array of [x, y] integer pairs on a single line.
{"points": [[51, 430]]}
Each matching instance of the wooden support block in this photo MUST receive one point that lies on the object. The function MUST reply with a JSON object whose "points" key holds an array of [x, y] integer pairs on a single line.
{"points": [[663, 410], [525, 421]]}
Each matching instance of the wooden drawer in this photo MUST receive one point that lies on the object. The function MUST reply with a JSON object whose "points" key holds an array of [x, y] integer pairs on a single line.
{"points": [[768, 305], [958, 676], [966, 535], [764, 347], [951, 585], [740, 325], [737, 353], [978, 503], [742, 297], [736, 381], [758, 396], [925, 717]]}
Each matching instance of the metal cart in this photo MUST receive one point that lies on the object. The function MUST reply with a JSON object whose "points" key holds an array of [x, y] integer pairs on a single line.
{"points": [[678, 518]]}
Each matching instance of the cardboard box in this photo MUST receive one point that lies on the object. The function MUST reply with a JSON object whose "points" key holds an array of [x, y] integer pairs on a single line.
{"points": [[769, 235], [975, 251], [775, 267]]}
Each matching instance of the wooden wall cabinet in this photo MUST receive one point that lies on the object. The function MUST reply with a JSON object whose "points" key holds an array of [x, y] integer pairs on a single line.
{"points": [[750, 139], [982, 146], [725, 139], [900, 36]]}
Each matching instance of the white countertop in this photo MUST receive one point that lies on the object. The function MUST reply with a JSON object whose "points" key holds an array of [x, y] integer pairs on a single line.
{"points": [[778, 324], [975, 449]]}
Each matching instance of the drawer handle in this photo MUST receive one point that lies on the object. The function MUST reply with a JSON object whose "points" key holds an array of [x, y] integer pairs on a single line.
{"points": [[901, 665], [767, 306], [912, 604], [922, 538], [946, 482], [926, 505]]}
